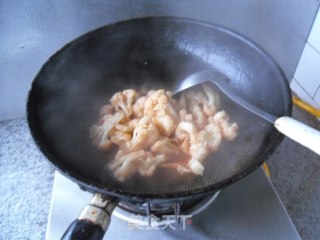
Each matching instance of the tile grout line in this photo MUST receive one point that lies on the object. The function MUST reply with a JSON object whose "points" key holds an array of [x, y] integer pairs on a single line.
{"points": [[302, 87], [316, 92], [313, 24], [293, 79], [318, 51]]}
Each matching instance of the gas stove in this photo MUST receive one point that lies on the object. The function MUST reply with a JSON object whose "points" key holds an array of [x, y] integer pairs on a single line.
{"points": [[248, 209]]}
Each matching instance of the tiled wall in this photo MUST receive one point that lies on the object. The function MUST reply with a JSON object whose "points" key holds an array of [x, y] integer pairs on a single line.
{"points": [[306, 81]]}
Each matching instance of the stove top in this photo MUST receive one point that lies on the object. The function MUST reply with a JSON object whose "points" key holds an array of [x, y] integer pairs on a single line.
{"points": [[248, 209]]}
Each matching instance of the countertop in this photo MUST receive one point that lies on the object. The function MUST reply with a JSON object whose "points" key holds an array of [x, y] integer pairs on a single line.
{"points": [[26, 180], [25, 184]]}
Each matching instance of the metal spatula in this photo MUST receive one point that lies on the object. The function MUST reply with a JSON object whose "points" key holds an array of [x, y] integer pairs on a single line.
{"points": [[288, 126]]}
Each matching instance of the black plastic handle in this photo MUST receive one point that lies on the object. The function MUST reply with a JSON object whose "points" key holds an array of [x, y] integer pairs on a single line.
{"points": [[93, 221], [83, 230]]}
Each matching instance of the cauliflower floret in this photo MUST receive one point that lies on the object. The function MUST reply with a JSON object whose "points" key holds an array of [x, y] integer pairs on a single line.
{"points": [[207, 140], [199, 117], [127, 127], [138, 107], [196, 103], [229, 130], [208, 103], [199, 151], [116, 161], [212, 135], [165, 121], [123, 101], [166, 146], [120, 138], [195, 98], [153, 99], [125, 165], [172, 112], [186, 133], [100, 133], [212, 104], [186, 130], [163, 114], [196, 167], [159, 101], [166, 125], [144, 135], [151, 164], [200, 143]]}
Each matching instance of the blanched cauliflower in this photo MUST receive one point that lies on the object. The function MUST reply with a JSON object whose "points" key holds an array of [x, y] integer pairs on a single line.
{"points": [[153, 130]]}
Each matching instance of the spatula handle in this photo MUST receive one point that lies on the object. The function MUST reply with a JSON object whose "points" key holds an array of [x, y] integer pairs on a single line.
{"points": [[299, 132]]}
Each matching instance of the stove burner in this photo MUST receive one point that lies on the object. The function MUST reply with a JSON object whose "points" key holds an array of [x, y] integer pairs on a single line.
{"points": [[159, 209], [157, 214]]}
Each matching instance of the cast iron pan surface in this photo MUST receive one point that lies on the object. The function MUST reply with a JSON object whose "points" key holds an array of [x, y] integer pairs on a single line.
{"points": [[153, 53]]}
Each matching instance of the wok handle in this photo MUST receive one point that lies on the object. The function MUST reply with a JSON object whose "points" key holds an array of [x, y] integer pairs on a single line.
{"points": [[93, 221], [299, 132], [83, 229]]}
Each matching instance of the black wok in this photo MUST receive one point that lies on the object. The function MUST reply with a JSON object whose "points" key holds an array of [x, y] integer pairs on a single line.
{"points": [[153, 53]]}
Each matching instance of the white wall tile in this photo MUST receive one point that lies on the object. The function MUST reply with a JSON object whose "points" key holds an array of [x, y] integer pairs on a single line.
{"points": [[298, 89], [314, 36], [308, 70]]}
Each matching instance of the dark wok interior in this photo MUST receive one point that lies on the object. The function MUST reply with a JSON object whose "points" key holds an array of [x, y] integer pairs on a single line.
{"points": [[152, 53]]}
